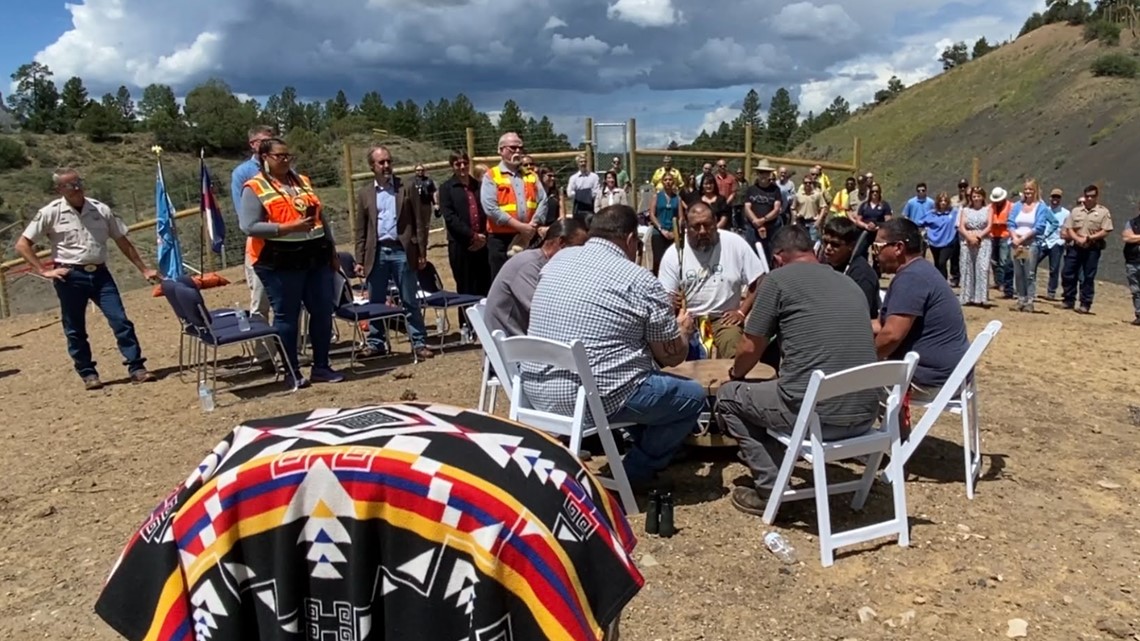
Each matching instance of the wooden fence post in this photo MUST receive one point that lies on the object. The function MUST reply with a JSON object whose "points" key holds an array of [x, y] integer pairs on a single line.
{"points": [[471, 142], [635, 186], [348, 189], [976, 172], [590, 144], [857, 155], [748, 153], [5, 309]]}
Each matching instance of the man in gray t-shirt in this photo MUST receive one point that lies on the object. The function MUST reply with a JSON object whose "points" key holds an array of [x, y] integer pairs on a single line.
{"points": [[508, 301], [820, 317]]}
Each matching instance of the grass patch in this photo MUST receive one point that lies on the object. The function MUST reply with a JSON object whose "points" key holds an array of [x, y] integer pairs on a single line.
{"points": [[1103, 31]]}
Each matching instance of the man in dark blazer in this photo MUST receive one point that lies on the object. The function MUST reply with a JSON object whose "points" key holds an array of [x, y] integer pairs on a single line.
{"points": [[466, 224], [391, 246]]}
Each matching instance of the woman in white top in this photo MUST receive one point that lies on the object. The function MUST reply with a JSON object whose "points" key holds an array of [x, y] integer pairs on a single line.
{"points": [[974, 257], [610, 194], [1027, 222]]}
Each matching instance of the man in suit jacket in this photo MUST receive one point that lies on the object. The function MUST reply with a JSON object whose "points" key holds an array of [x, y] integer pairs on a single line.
{"points": [[466, 223], [391, 246]]}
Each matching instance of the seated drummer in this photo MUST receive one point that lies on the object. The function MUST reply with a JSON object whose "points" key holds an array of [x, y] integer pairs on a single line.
{"points": [[718, 268], [820, 316], [597, 294], [508, 301], [840, 239]]}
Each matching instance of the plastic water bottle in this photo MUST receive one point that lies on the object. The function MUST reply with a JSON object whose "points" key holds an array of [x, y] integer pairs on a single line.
{"points": [[206, 397], [780, 547], [242, 319]]}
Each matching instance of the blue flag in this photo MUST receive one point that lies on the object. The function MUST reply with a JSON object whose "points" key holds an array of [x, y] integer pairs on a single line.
{"points": [[169, 249], [211, 215]]}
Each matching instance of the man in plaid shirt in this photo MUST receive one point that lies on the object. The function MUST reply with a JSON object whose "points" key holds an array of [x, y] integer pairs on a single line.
{"points": [[596, 293]]}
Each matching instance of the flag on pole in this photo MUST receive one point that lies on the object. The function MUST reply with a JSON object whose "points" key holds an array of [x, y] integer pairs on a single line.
{"points": [[211, 214], [169, 249]]}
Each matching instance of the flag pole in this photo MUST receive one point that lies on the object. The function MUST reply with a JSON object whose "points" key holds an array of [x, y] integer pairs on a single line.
{"points": [[203, 227]]}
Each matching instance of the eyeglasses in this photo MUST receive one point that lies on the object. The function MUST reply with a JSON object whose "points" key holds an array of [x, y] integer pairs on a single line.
{"points": [[528, 164], [283, 157], [74, 185], [878, 247], [512, 147]]}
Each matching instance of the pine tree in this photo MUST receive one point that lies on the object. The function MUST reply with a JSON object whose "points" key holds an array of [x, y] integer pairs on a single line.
{"points": [[35, 102], [125, 108], [750, 115], [337, 108], [783, 120], [73, 103], [511, 119]]}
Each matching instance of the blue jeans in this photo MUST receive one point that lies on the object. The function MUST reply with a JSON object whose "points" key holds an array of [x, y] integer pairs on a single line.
{"points": [[288, 289], [665, 408], [1055, 254], [1003, 265], [1133, 271], [392, 265], [1025, 276], [1080, 267], [74, 292]]}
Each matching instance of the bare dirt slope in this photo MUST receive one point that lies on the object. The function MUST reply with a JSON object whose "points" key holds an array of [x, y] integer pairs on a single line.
{"points": [[1049, 539], [1029, 109]]}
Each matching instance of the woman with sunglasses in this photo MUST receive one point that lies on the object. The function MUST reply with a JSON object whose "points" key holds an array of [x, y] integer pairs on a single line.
{"points": [[293, 252], [975, 248]]}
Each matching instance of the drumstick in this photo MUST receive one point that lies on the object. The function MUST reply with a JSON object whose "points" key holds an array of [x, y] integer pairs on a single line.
{"points": [[679, 243]]}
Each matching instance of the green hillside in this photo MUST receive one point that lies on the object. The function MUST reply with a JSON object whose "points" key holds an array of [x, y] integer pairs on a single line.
{"points": [[1031, 108]]}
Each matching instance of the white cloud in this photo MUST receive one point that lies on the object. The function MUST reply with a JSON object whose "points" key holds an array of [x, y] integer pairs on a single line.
{"points": [[553, 22], [808, 21], [645, 13], [588, 48], [621, 50], [714, 118]]}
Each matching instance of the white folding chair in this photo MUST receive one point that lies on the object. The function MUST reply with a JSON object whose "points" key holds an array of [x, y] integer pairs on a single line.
{"points": [[572, 357], [959, 395], [806, 441], [494, 371]]}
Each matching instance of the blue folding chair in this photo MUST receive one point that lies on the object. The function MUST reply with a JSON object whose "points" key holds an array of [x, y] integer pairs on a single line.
{"points": [[357, 313], [434, 297], [219, 317], [214, 334]]}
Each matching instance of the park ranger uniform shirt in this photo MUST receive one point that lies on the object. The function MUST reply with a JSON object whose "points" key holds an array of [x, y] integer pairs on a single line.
{"points": [[76, 237]]}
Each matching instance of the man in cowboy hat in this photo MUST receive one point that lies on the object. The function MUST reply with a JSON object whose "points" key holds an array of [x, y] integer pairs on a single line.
{"points": [[1000, 207], [763, 207]]}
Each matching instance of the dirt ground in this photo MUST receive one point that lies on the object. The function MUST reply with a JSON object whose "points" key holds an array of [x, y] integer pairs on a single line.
{"points": [[1050, 538]]}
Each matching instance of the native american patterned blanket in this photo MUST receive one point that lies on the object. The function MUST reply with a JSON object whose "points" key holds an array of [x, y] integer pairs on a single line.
{"points": [[395, 522]]}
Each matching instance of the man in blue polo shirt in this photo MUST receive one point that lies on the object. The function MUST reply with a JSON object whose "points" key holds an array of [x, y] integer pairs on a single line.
{"points": [[258, 299], [918, 206]]}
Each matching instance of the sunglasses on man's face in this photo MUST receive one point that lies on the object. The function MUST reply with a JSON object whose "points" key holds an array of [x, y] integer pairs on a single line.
{"points": [[877, 247]]}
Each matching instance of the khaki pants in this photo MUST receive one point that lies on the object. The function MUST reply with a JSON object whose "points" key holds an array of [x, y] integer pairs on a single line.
{"points": [[726, 338]]}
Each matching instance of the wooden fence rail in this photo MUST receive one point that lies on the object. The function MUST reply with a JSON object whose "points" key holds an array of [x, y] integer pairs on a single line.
{"points": [[748, 156]]}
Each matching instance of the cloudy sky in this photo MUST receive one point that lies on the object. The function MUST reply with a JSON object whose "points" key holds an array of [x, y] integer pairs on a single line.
{"points": [[675, 65]]}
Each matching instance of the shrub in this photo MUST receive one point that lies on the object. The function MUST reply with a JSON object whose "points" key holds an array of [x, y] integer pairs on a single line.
{"points": [[1104, 31], [12, 154], [1115, 65]]}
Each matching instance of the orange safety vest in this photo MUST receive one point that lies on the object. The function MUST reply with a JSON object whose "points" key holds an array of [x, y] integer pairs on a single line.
{"points": [[281, 208], [505, 193]]}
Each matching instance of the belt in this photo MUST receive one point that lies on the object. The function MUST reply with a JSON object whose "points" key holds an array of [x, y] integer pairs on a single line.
{"points": [[90, 267], [391, 244]]}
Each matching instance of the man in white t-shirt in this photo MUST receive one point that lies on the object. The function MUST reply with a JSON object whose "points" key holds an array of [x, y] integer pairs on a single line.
{"points": [[718, 277]]}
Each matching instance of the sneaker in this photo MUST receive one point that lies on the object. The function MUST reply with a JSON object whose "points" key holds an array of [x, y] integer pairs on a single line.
{"points": [[372, 352], [423, 353], [143, 376], [298, 383], [1029, 308], [1136, 321], [91, 382], [1066, 305], [325, 375], [1083, 309], [750, 500]]}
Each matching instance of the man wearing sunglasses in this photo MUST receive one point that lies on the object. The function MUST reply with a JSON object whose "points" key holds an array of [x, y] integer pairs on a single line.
{"points": [[77, 229]]}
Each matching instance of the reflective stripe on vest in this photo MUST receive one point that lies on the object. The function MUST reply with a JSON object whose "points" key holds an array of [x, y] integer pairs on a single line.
{"points": [[505, 195], [281, 208]]}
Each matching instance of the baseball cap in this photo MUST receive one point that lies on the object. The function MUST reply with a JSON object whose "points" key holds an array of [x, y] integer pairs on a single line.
{"points": [[1057, 192]]}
